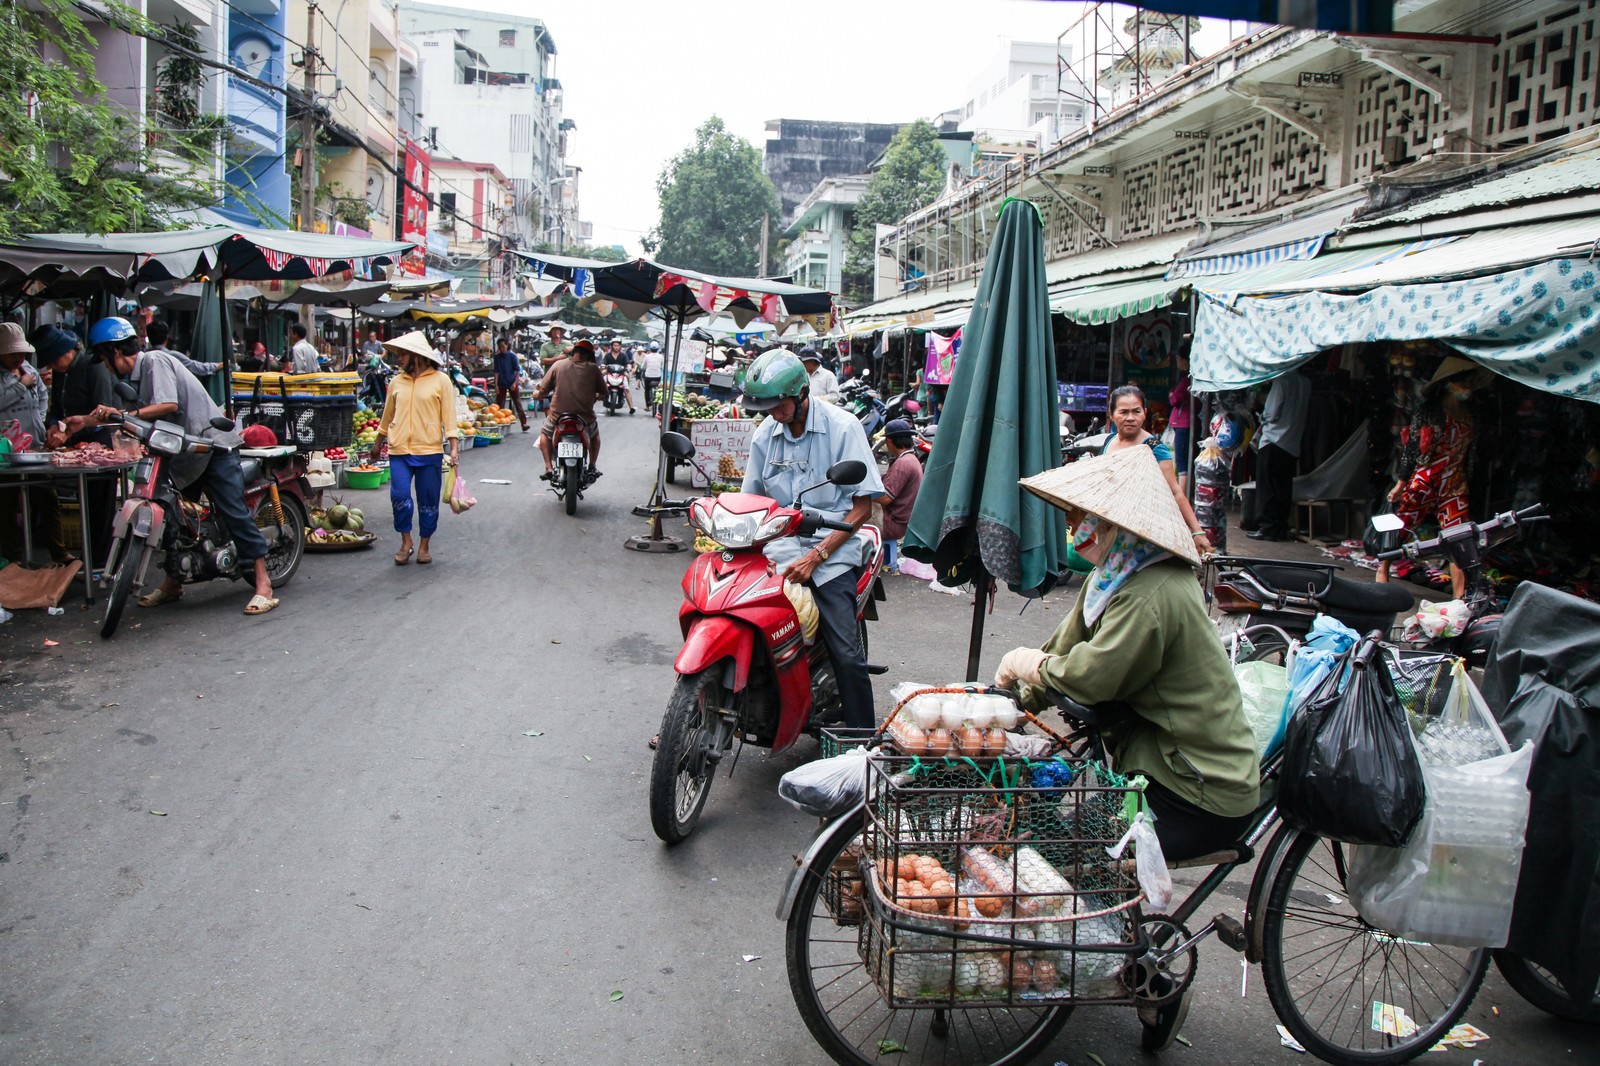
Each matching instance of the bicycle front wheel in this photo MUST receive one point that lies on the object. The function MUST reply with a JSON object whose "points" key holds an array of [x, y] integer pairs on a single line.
{"points": [[844, 1009], [1350, 993]]}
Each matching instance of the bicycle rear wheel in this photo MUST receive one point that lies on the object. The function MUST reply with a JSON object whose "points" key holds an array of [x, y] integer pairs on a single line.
{"points": [[1331, 976], [844, 1009]]}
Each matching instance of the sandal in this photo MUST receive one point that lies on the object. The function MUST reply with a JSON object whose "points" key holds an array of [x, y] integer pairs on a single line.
{"points": [[158, 597], [260, 604], [403, 557], [423, 558]]}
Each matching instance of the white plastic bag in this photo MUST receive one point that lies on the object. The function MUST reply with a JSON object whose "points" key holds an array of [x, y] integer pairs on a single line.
{"points": [[1435, 620], [827, 787], [1455, 880], [1149, 863], [1265, 689]]}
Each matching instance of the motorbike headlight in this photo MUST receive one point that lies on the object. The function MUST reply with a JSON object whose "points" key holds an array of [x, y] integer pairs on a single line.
{"points": [[165, 441], [734, 530]]}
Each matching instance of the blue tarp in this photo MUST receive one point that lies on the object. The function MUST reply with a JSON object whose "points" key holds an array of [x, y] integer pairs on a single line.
{"points": [[1346, 16], [1538, 325]]}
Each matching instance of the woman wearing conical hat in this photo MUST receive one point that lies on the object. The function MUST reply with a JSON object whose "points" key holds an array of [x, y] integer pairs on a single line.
{"points": [[1139, 635]]}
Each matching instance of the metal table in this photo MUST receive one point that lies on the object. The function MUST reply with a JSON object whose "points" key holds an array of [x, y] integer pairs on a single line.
{"points": [[29, 475]]}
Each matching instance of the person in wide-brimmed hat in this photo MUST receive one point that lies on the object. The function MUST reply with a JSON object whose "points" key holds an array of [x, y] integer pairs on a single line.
{"points": [[1435, 449], [419, 419], [23, 398], [1139, 635]]}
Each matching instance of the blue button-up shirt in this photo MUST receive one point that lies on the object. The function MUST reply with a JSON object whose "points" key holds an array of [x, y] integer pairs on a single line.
{"points": [[781, 466]]}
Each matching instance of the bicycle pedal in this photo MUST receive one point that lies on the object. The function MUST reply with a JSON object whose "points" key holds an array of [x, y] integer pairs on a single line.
{"points": [[1230, 931]]}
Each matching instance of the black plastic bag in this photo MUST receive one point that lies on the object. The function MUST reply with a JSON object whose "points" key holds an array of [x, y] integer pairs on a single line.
{"points": [[1349, 770]]}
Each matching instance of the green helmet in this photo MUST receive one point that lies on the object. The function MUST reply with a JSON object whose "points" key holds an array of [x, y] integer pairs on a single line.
{"points": [[775, 376]]}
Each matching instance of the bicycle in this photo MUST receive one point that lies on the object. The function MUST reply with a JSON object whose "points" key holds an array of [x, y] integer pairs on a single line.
{"points": [[1348, 992]]}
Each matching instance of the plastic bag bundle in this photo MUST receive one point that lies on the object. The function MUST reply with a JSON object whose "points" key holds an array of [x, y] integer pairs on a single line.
{"points": [[1155, 880], [1213, 475], [827, 787], [1350, 771], [1435, 620], [1265, 688], [1327, 633], [461, 500]]}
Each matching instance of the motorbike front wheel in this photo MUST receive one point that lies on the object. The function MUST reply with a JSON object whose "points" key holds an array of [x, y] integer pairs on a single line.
{"points": [[686, 755], [133, 556], [846, 1012], [283, 558]]}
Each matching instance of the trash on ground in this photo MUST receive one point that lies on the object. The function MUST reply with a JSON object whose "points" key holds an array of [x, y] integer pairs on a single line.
{"points": [[1288, 1041]]}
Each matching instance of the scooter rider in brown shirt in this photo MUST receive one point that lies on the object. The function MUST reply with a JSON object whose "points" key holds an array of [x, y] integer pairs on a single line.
{"points": [[575, 386]]}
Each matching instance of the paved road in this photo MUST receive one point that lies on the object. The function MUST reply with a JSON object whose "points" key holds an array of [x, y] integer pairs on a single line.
{"points": [[359, 855]]}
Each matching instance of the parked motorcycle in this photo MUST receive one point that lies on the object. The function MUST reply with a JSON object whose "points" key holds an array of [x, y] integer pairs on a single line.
{"points": [[615, 380], [1091, 441], [1289, 595], [752, 669], [859, 398], [572, 473], [157, 516], [375, 385], [464, 385]]}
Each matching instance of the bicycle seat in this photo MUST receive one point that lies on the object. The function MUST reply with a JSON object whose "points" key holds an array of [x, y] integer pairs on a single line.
{"points": [[1100, 717], [1234, 856]]}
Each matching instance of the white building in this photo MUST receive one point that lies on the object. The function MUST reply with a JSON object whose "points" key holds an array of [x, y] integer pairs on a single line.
{"points": [[819, 237], [1013, 99], [488, 92]]}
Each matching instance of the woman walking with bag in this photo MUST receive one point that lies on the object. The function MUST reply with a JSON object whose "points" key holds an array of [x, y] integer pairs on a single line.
{"points": [[418, 417]]}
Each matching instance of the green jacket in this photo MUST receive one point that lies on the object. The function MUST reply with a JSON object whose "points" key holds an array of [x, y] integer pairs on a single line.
{"points": [[1155, 649]]}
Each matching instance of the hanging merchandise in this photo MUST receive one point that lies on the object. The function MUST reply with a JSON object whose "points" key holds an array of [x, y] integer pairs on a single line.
{"points": [[1212, 485]]}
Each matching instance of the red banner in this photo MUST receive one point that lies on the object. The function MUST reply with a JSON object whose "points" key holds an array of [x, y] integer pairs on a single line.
{"points": [[414, 210]]}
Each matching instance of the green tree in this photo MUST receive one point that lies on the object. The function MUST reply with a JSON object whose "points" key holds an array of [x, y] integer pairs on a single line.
{"points": [[713, 195], [69, 161], [912, 176]]}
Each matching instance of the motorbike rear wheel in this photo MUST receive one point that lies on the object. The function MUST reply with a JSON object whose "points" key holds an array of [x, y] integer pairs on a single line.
{"points": [[685, 762], [843, 1008], [1539, 986], [573, 480], [283, 559], [134, 554]]}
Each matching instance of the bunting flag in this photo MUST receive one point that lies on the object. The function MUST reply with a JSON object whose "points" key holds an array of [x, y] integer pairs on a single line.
{"points": [[771, 308], [706, 297], [666, 281], [582, 283]]}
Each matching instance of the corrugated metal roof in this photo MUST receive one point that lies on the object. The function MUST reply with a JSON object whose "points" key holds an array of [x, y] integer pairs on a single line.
{"points": [[1151, 250], [1574, 172]]}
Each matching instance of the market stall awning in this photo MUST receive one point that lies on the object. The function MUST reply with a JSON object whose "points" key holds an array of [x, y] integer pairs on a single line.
{"points": [[243, 252], [1098, 304], [1291, 239], [1516, 300]]}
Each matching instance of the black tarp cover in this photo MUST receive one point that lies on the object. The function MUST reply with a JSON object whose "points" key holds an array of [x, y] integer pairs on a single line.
{"points": [[1543, 682]]}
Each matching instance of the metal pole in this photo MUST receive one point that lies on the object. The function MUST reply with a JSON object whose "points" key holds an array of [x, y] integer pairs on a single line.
{"points": [[308, 146], [980, 601], [656, 542]]}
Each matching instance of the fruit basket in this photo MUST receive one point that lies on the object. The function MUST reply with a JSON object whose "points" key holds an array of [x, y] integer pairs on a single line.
{"points": [[370, 478], [987, 887], [491, 434], [343, 540]]}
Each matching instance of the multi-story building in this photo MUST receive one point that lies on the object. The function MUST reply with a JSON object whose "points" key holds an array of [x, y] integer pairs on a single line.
{"points": [[1014, 98], [803, 152], [472, 202], [489, 91], [819, 236], [258, 183]]}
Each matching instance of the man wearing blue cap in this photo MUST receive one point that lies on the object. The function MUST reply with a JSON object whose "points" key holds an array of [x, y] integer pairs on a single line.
{"points": [[902, 480]]}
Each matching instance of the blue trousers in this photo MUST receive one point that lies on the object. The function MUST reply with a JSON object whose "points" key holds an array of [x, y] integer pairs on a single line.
{"points": [[427, 471], [836, 617]]}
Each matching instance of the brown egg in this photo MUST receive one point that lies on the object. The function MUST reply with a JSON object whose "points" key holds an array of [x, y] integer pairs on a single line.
{"points": [[989, 906], [907, 867]]}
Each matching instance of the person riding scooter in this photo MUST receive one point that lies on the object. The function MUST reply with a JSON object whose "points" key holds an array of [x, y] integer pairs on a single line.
{"points": [[574, 386], [166, 390], [791, 451]]}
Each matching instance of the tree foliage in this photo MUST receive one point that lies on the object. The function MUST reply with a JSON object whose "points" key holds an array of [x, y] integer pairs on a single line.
{"points": [[912, 176], [69, 160], [713, 195]]}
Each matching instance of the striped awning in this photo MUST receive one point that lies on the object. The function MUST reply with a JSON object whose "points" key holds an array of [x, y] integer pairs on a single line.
{"points": [[1253, 259], [1099, 304]]}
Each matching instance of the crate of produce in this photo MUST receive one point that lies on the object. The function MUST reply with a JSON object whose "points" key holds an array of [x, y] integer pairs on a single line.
{"points": [[302, 386], [310, 424], [990, 884], [491, 434]]}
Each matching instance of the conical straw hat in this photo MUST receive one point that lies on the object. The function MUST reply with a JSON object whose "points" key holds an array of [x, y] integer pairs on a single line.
{"points": [[1124, 487]]}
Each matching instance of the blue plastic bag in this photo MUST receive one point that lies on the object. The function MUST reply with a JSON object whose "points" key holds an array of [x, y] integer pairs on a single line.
{"points": [[1329, 634]]}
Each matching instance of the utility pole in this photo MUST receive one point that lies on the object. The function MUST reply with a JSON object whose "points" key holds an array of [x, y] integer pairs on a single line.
{"points": [[308, 125], [761, 268], [308, 151]]}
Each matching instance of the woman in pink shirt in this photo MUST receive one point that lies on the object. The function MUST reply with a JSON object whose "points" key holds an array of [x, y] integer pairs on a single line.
{"points": [[1178, 417]]}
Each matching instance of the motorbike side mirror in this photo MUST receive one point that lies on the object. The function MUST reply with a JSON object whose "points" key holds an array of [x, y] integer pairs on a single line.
{"points": [[680, 447], [847, 472], [126, 391], [223, 423]]}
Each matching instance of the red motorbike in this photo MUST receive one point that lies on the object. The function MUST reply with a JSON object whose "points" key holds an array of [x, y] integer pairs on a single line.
{"points": [[753, 668], [571, 474]]}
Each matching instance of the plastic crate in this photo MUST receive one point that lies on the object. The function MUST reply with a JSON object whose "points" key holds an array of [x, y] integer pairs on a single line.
{"points": [[302, 386], [310, 424], [1037, 912]]}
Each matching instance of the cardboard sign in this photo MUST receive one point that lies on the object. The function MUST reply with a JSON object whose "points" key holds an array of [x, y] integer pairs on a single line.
{"points": [[722, 447]]}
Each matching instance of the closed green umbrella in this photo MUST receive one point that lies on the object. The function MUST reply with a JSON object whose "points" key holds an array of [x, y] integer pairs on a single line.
{"points": [[972, 520], [212, 340]]}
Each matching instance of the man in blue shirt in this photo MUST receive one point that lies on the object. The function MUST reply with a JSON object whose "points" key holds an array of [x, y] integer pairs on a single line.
{"points": [[508, 379], [789, 452], [1283, 425]]}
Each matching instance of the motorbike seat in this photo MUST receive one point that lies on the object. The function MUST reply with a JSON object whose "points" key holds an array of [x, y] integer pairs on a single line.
{"points": [[874, 558], [1367, 597]]}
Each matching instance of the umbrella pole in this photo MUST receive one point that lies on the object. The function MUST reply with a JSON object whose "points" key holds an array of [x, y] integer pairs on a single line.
{"points": [[227, 349], [657, 543], [980, 605]]}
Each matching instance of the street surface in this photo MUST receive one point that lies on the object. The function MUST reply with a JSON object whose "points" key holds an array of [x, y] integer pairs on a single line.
{"points": [[325, 835]]}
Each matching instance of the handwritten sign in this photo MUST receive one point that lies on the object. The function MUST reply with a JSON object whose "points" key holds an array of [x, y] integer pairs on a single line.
{"points": [[722, 447]]}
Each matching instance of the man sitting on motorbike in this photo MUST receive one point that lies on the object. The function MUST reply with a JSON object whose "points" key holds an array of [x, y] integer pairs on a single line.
{"points": [[165, 390], [574, 386], [792, 450], [625, 360]]}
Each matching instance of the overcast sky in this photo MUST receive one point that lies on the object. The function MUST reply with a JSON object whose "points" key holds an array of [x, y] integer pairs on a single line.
{"points": [[640, 75]]}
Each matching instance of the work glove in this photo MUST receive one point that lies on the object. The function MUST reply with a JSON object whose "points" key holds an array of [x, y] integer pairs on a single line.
{"points": [[1020, 664]]}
